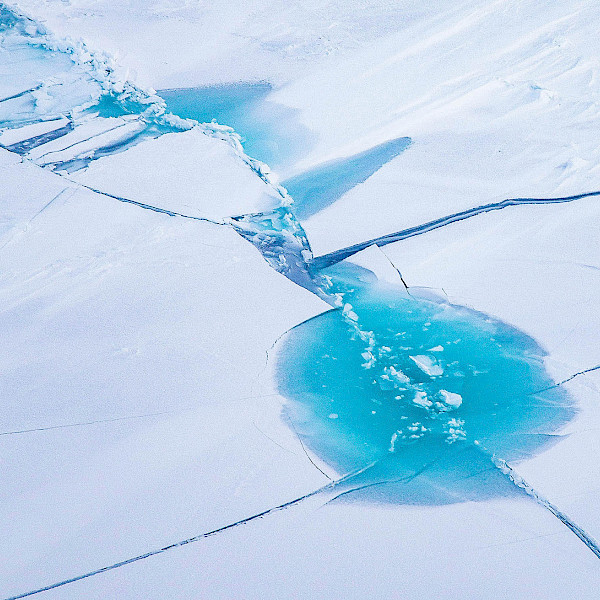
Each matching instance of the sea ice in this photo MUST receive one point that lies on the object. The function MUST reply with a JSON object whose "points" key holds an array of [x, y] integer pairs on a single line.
{"points": [[428, 364]]}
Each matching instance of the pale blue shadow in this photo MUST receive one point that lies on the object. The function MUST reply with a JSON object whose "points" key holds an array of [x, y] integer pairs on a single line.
{"points": [[320, 187]]}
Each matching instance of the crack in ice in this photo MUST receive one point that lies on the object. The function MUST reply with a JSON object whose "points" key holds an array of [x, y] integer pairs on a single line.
{"points": [[551, 387], [330, 486], [327, 260], [170, 213]]}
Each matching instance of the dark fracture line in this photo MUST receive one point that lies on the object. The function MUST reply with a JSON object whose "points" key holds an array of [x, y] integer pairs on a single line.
{"points": [[406, 479], [551, 387], [271, 439], [114, 419], [196, 538], [23, 93], [26, 145], [327, 260], [312, 462], [37, 214], [170, 213], [67, 425], [82, 141]]}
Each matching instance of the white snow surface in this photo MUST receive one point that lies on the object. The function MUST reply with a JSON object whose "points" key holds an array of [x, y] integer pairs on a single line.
{"points": [[110, 311], [161, 324], [183, 172], [500, 97]]}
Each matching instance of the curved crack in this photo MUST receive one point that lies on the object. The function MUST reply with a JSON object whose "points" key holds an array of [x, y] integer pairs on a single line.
{"points": [[312, 462]]}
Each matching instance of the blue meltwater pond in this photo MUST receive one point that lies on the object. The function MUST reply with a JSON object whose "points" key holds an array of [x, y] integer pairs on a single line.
{"points": [[426, 390], [270, 131]]}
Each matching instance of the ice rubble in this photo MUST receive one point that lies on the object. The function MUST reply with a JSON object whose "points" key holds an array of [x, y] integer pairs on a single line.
{"points": [[74, 108]]}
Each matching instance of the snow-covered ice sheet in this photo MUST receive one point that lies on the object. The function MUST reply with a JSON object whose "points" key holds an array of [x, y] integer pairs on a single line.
{"points": [[22, 194], [443, 174], [500, 99], [183, 172], [113, 312], [157, 292], [362, 75]]}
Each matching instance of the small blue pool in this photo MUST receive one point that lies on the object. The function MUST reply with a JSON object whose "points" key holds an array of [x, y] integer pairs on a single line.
{"points": [[425, 390], [270, 132]]}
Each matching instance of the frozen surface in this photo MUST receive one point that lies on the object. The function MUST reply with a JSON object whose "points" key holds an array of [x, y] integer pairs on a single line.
{"points": [[115, 137], [155, 329], [138, 358], [182, 172]]}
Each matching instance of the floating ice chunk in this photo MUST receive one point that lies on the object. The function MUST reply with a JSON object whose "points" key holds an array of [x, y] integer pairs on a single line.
{"points": [[369, 359], [396, 375], [450, 399], [416, 431], [476, 372], [392, 378], [333, 416], [436, 349], [455, 431], [385, 383], [421, 399], [338, 299], [413, 432], [349, 313], [366, 336], [428, 364]]}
